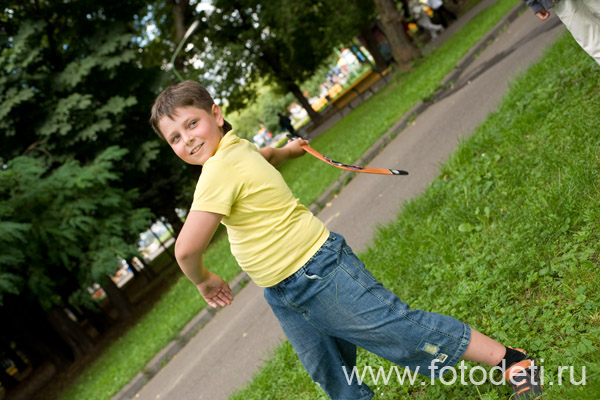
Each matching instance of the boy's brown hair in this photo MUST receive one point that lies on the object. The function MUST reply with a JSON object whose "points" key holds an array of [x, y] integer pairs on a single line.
{"points": [[183, 94]]}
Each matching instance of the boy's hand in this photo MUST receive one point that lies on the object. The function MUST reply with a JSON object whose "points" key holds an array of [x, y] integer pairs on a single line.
{"points": [[294, 147], [543, 14], [215, 291]]}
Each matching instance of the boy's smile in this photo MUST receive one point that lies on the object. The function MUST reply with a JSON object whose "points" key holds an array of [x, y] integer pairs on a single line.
{"points": [[193, 133]]}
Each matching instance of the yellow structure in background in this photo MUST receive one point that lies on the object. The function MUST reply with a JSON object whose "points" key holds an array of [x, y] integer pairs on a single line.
{"points": [[332, 92]]}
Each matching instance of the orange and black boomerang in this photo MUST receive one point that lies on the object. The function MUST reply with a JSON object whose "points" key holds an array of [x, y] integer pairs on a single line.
{"points": [[354, 168]]}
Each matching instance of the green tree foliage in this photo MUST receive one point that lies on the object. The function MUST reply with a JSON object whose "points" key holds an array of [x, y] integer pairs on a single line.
{"points": [[269, 102], [243, 44], [240, 46], [75, 80], [62, 73], [74, 144], [263, 110], [282, 41], [65, 222]]}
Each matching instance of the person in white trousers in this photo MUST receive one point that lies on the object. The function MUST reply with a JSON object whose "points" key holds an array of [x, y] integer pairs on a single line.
{"points": [[422, 19], [581, 17]]}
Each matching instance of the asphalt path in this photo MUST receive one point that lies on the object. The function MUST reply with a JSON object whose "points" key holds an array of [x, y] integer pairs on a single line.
{"points": [[223, 356], [427, 142]]}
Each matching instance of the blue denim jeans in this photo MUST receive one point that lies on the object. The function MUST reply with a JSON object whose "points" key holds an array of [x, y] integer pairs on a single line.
{"points": [[333, 304]]}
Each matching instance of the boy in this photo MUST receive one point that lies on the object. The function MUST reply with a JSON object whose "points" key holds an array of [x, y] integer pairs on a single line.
{"points": [[325, 300]]}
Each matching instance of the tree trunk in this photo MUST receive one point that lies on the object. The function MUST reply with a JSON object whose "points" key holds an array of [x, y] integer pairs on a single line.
{"points": [[79, 342], [49, 348], [99, 319], [174, 220], [117, 298], [314, 115], [35, 336], [165, 248], [141, 269], [391, 20], [286, 81], [181, 18], [371, 44]]}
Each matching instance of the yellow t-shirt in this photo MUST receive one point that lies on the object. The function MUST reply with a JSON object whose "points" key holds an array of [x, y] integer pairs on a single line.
{"points": [[271, 234]]}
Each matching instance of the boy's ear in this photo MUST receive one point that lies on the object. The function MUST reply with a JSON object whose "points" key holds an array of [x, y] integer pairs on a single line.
{"points": [[218, 115]]}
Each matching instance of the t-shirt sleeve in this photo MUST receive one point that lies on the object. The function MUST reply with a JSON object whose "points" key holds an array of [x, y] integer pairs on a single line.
{"points": [[218, 188]]}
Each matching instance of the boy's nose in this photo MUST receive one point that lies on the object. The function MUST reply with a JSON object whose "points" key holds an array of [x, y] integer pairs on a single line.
{"points": [[189, 139]]}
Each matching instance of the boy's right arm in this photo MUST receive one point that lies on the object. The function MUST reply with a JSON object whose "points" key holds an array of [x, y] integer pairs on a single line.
{"points": [[197, 231], [293, 149]]}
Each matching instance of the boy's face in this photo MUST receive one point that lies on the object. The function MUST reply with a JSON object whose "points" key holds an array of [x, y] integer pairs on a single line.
{"points": [[193, 133]]}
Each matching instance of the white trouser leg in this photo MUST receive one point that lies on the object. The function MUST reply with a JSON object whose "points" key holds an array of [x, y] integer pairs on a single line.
{"points": [[582, 19], [433, 29]]}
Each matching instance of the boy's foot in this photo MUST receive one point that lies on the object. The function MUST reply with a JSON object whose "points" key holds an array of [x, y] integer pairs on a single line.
{"points": [[524, 378]]}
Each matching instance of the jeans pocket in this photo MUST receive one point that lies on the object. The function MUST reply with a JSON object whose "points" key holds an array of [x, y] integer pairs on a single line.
{"points": [[323, 266], [320, 275]]}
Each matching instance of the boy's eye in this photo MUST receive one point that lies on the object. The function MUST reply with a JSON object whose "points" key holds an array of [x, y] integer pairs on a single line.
{"points": [[175, 139], [192, 124]]}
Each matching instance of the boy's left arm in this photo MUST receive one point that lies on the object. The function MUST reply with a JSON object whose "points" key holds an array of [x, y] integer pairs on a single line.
{"points": [[198, 229], [278, 156]]}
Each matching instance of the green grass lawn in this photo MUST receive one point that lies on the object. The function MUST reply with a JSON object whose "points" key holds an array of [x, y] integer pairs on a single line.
{"points": [[308, 179], [507, 238]]}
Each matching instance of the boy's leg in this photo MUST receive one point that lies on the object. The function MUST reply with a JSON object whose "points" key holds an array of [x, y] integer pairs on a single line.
{"points": [[328, 360], [365, 313], [519, 371], [338, 297], [442, 332], [484, 350]]}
